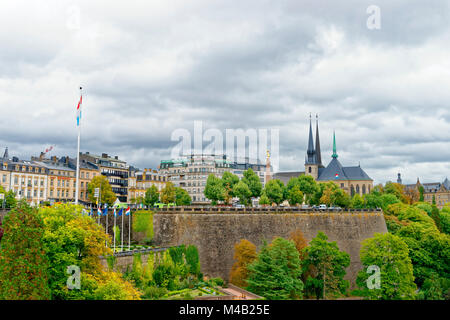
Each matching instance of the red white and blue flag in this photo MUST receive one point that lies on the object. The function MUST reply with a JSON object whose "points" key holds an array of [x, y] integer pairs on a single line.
{"points": [[99, 211], [127, 212], [336, 176], [79, 111]]}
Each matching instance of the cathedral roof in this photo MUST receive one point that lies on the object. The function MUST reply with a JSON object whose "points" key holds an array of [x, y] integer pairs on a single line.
{"points": [[335, 171]]}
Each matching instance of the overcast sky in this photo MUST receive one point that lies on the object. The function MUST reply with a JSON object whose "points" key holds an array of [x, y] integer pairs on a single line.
{"points": [[150, 67]]}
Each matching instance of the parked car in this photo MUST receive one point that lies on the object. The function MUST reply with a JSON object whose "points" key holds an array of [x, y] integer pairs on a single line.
{"points": [[305, 206], [323, 207], [238, 205]]}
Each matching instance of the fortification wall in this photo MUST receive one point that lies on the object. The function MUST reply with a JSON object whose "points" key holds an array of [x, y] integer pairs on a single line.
{"points": [[215, 234]]}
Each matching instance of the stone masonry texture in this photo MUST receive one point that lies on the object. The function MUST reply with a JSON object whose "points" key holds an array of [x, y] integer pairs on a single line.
{"points": [[216, 234]]}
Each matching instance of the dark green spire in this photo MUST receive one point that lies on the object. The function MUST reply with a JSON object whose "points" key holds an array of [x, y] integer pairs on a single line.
{"points": [[334, 147]]}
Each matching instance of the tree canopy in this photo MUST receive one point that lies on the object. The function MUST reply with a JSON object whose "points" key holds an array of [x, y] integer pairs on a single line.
{"points": [[106, 193], [275, 274]]}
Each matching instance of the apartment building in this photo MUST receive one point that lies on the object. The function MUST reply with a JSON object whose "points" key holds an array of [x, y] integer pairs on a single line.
{"points": [[116, 170], [140, 181], [191, 172], [27, 179]]}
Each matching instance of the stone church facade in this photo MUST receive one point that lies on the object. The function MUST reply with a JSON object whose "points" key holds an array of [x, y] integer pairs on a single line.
{"points": [[351, 179]]}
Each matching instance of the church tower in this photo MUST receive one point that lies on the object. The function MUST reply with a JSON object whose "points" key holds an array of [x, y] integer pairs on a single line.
{"points": [[313, 157]]}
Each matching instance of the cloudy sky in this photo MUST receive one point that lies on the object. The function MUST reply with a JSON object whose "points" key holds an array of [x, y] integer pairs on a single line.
{"points": [[151, 67]]}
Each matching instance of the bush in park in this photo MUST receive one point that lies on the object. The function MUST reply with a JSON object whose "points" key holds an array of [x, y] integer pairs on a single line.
{"points": [[244, 254], [23, 263], [388, 254]]}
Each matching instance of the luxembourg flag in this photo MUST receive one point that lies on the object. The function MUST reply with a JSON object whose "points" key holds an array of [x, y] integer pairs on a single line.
{"points": [[115, 213], [336, 176], [127, 212], [99, 211], [79, 111]]}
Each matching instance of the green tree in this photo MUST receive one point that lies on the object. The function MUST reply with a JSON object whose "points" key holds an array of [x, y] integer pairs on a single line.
{"points": [[168, 193], [10, 198], [332, 195], [308, 186], [357, 202], [421, 192], [253, 182], [214, 189], [193, 260], [327, 265], [429, 248], [151, 196], [229, 180], [264, 200], [395, 189], [295, 196], [388, 254], [436, 217], [274, 191], [182, 197], [444, 217], [243, 192], [106, 193], [275, 274], [23, 263]]}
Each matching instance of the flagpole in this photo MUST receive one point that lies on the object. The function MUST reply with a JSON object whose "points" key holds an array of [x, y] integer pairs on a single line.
{"points": [[121, 233], [114, 230], [78, 152], [129, 231], [107, 214]]}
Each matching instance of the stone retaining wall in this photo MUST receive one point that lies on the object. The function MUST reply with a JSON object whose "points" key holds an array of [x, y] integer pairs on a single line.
{"points": [[215, 234]]}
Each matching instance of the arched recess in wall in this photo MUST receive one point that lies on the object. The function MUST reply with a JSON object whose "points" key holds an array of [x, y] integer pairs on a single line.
{"points": [[364, 189], [352, 190], [357, 189]]}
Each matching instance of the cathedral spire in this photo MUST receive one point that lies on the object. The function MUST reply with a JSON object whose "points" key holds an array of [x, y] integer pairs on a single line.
{"points": [[334, 147], [318, 154], [310, 151]]}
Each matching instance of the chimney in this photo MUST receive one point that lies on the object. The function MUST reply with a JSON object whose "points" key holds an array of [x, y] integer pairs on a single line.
{"points": [[41, 157], [67, 160], [116, 157], [104, 155], [54, 159]]}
